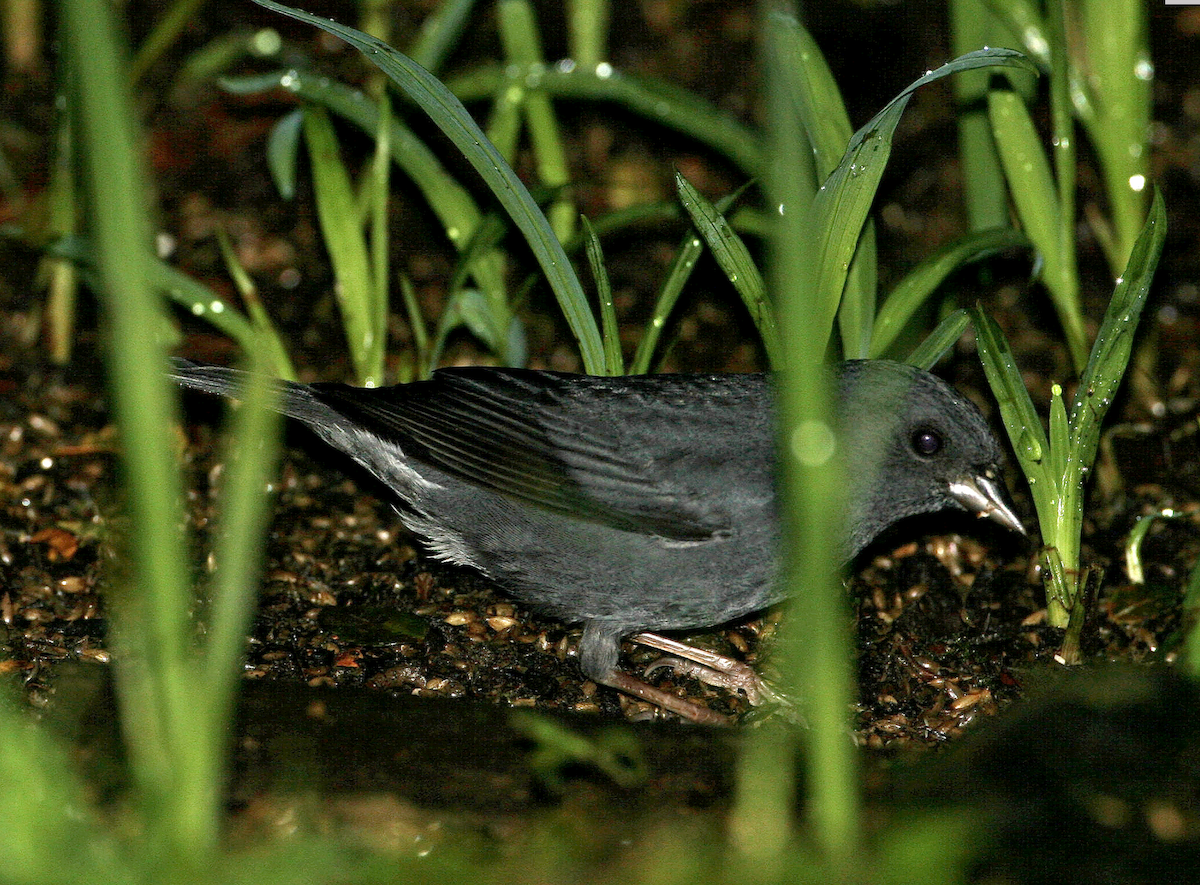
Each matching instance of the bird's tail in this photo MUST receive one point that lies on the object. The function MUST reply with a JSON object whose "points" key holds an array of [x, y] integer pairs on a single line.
{"points": [[292, 399]]}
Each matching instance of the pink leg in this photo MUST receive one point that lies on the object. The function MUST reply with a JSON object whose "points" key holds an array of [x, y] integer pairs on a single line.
{"points": [[671, 703], [707, 666]]}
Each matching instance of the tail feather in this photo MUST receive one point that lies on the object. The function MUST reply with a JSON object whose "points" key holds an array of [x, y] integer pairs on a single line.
{"points": [[294, 400]]}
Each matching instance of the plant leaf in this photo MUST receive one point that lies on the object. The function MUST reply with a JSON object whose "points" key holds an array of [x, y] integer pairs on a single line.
{"points": [[453, 205], [1016, 408], [840, 207], [923, 280], [734, 258], [1114, 342], [613, 363], [941, 339], [452, 118], [660, 102], [346, 245], [283, 149]]}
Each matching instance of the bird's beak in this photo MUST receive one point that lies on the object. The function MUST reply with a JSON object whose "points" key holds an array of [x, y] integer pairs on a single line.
{"points": [[984, 495]]}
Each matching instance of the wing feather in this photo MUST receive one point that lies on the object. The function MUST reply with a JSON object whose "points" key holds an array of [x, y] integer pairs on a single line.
{"points": [[536, 437]]}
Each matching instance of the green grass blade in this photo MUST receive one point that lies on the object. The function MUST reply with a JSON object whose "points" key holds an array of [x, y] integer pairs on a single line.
{"points": [[43, 803], [191, 295], [440, 33], [747, 221], [836, 220], [416, 323], [921, 282], [973, 24], [197, 70], [177, 17], [202, 302], [1035, 193], [614, 364], [940, 340], [1028, 172], [1016, 408], [251, 456], [283, 152], [1060, 434], [587, 30], [266, 335], [734, 259], [453, 205], [469, 308], [814, 650], [504, 122], [523, 46], [659, 102], [1061, 587], [379, 182], [1114, 342], [1062, 146], [489, 317], [856, 313], [811, 91], [1115, 77], [686, 256], [338, 214], [62, 277], [1191, 621], [250, 459], [839, 211], [1024, 18], [1134, 563], [452, 118], [152, 624]]}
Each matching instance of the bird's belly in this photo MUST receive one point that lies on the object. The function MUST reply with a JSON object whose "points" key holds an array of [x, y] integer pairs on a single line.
{"points": [[578, 570]]}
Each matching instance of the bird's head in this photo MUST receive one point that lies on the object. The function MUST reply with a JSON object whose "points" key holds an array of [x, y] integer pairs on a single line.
{"points": [[914, 445]]}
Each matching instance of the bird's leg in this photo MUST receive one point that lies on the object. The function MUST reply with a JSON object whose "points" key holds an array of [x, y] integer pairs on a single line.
{"points": [[599, 648], [693, 712], [707, 666]]}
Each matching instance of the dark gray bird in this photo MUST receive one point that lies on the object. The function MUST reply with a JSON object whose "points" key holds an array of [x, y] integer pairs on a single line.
{"points": [[640, 503]]}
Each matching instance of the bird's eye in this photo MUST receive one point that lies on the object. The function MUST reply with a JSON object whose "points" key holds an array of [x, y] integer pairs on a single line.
{"points": [[926, 442]]}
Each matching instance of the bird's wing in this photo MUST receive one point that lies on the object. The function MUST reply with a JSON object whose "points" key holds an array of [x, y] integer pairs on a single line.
{"points": [[534, 437]]}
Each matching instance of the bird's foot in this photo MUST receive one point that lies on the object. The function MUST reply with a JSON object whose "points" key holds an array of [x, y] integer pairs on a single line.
{"points": [[707, 666]]}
